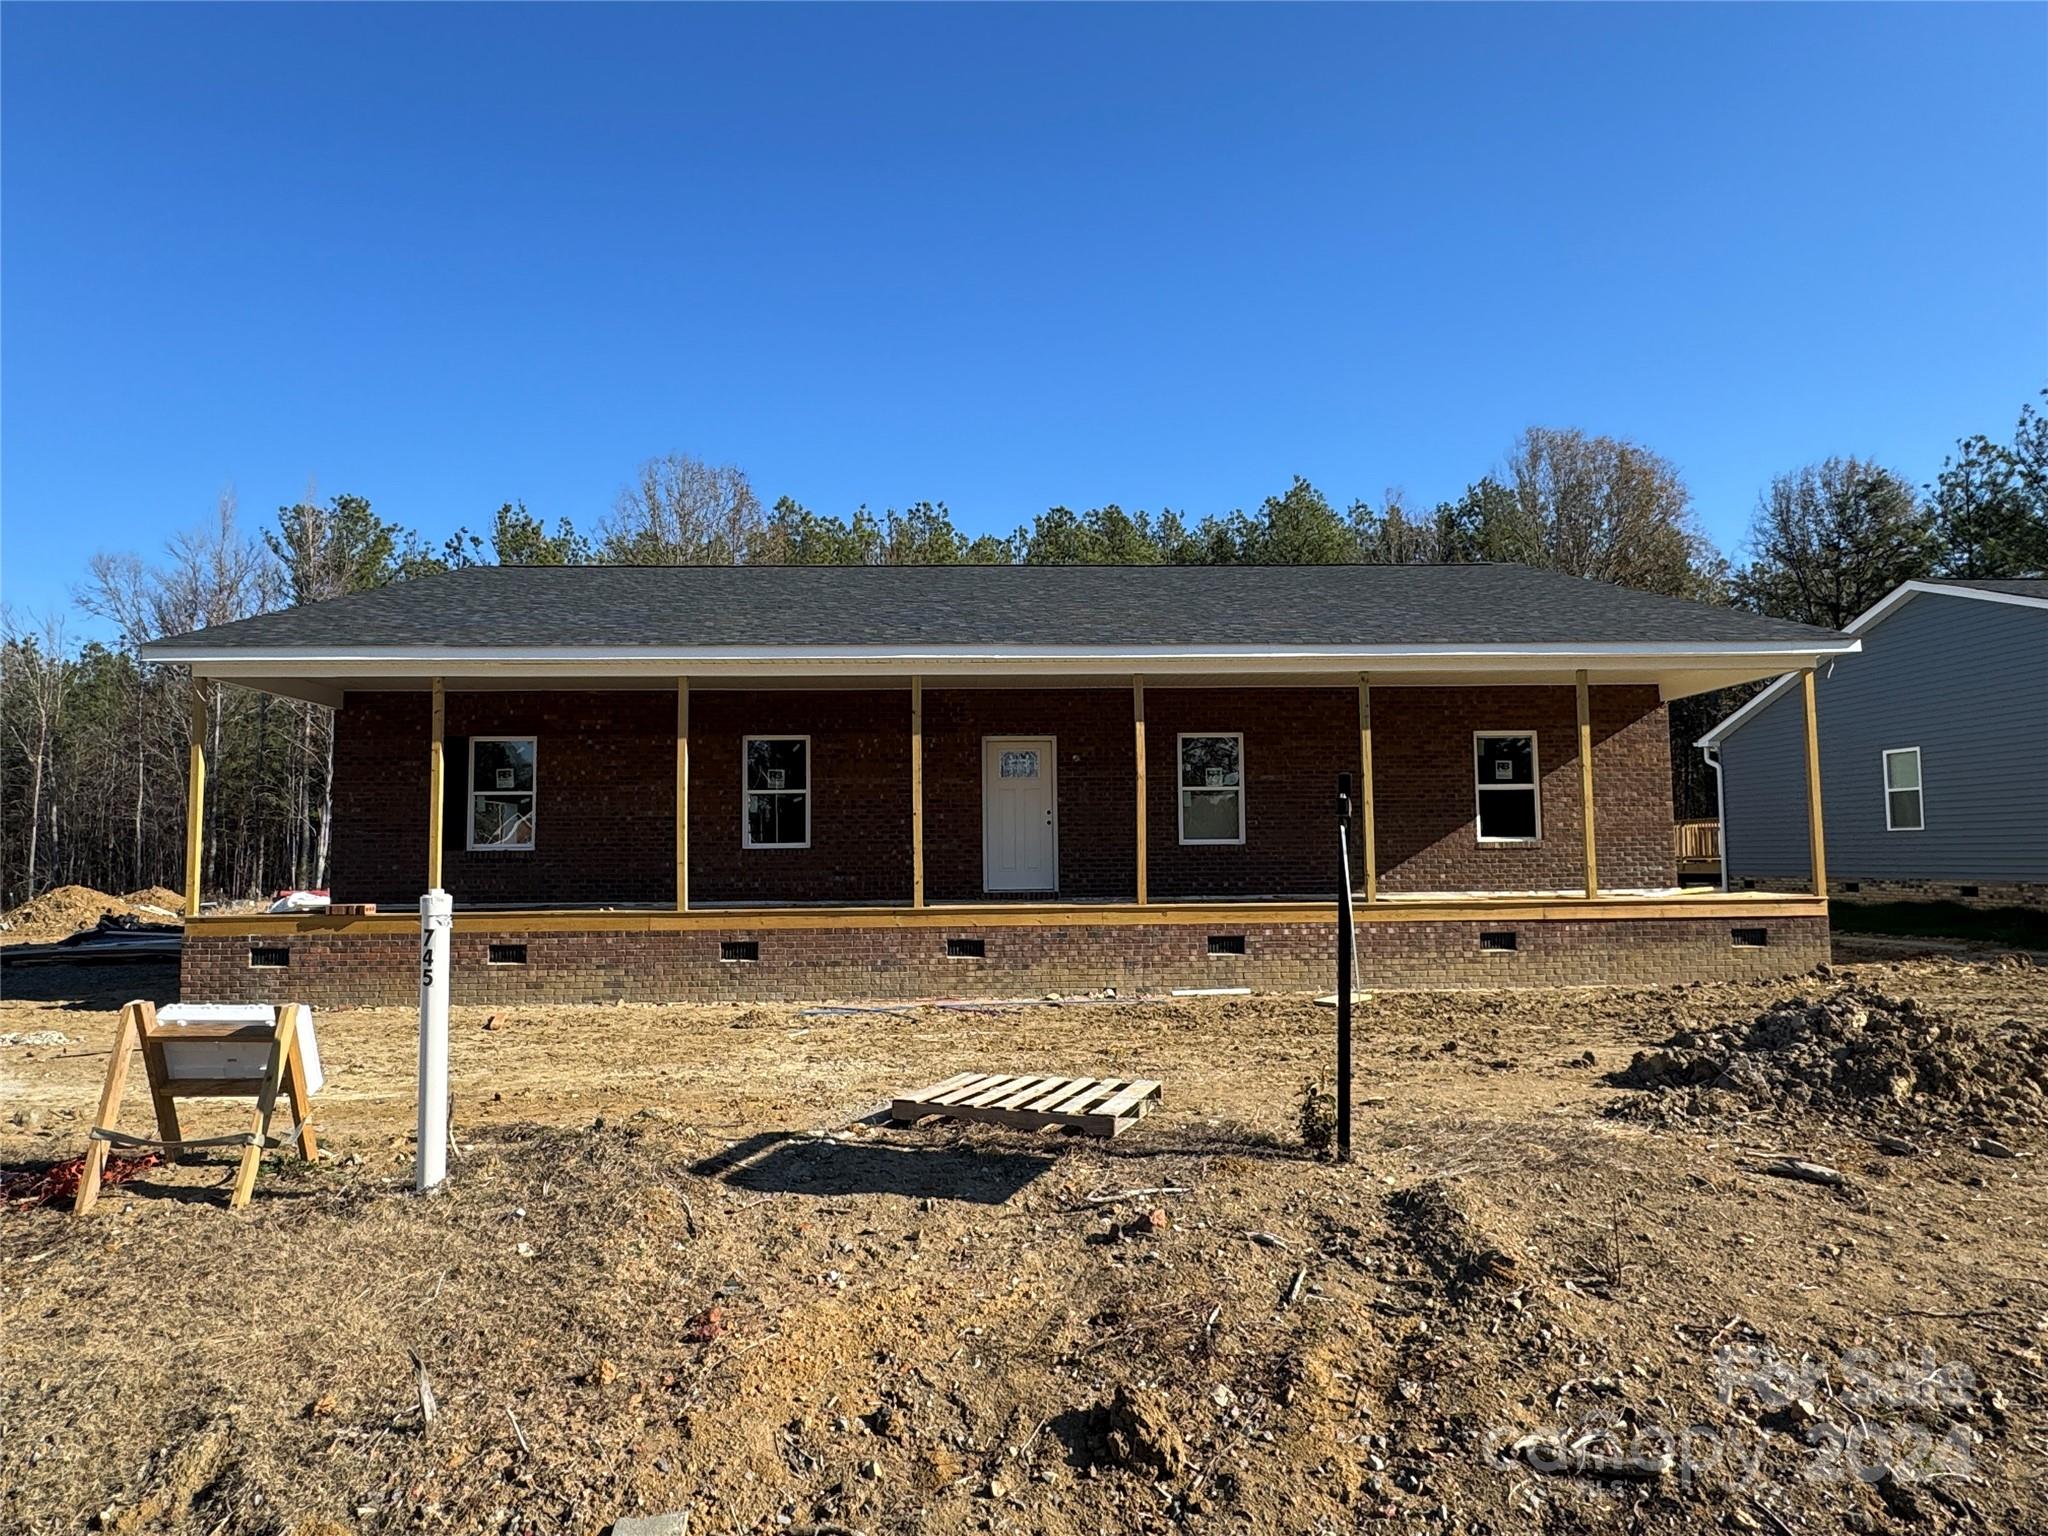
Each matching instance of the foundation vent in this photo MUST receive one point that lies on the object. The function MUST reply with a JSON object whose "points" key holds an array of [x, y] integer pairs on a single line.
{"points": [[739, 949], [967, 949], [1749, 938], [1502, 943], [1226, 943], [508, 954], [269, 957]]}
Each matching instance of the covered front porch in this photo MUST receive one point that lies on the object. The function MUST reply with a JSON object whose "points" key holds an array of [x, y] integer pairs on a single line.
{"points": [[918, 836], [540, 795]]}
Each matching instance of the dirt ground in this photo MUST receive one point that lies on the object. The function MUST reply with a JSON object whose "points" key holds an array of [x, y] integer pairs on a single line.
{"points": [[59, 913], [678, 1267]]}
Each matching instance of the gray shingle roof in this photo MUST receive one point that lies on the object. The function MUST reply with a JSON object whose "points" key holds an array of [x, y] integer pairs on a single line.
{"points": [[535, 607], [2023, 586]]}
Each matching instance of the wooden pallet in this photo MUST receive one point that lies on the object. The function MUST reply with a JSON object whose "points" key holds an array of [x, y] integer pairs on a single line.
{"points": [[1104, 1106]]}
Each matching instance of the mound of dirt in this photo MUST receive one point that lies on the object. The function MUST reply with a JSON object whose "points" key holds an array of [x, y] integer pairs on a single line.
{"points": [[1134, 1429], [1856, 1054], [161, 897], [62, 911], [1444, 1238]]}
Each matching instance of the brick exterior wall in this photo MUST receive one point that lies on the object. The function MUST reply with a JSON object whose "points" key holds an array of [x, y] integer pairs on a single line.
{"points": [[606, 806], [605, 779], [1096, 786], [343, 969], [1424, 787], [860, 797], [1296, 742]]}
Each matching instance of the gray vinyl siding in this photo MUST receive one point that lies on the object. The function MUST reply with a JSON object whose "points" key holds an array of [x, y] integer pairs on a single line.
{"points": [[1965, 681]]}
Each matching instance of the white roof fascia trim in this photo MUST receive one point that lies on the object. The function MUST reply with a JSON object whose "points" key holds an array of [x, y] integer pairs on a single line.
{"points": [[1874, 615], [1878, 611], [396, 659]]}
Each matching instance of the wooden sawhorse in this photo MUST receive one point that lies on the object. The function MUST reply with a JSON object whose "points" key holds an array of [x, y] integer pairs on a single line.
{"points": [[170, 1052]]}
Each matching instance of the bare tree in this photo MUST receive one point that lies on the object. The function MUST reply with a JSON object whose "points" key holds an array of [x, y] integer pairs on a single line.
{"points": [[37, 688], [1607, 509], [118, 588], [681, 511], [1830, 539]]}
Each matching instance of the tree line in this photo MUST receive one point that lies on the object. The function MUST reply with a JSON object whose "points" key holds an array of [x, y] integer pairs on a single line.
{"points": [[92, 756]]}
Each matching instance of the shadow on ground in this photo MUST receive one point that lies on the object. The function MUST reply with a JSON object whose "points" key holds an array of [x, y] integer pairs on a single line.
{"points": [[96, 987], [190, 1181], [780, 1162]]}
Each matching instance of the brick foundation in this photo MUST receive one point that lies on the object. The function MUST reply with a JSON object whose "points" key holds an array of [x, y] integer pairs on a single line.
{"points": [[634, 964], [1984, 895]]}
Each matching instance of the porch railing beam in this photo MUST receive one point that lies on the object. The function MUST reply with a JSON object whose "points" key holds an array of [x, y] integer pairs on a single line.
{"points": [[195, 798], [1367, 844], [1586, 784], [682, 794], [1138, 746], [1815, 842], [437, 786], [917, 791]]}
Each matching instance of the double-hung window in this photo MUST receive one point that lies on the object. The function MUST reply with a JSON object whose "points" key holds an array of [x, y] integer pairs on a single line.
{"points": [[501, 793], [776, 781], [1904, 808], [1510, 801], [1212, 787]]}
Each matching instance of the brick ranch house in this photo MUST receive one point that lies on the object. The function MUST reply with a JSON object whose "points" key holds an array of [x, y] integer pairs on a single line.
{"points": [[661, 783]]}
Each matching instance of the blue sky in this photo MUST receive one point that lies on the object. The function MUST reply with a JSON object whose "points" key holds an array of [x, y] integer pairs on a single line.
{"points": [[1003, 258]]}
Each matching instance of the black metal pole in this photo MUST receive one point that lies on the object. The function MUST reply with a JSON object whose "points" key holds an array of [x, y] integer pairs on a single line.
{"points": [[1344, 922]]}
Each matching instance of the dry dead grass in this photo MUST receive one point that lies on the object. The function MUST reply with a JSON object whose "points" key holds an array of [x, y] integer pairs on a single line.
{"points": [[674, 1259]]}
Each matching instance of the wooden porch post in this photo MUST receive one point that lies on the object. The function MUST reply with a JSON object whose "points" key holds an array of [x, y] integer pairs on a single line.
{"points": [[1816, 843], [1371, 852], [1586, 785], [917, 791], [195, 799], [437, 782], [682, 794], [1138, 743]]}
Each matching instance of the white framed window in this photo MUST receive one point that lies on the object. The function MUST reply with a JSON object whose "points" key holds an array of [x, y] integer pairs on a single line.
{"points": [[1905, 807], [775, 789], [501, 793], [1509, 786], [1211, 786]]}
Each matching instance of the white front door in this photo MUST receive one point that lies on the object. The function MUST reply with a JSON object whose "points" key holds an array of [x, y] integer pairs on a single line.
{"points": [[1019, 814]]}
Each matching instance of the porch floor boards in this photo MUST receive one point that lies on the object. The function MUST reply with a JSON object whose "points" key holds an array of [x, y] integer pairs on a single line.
{"points": [[1531, 907], [976, 905]]}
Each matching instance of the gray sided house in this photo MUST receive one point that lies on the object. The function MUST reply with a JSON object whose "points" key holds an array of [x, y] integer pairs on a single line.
{"points": [[1934, 755]]}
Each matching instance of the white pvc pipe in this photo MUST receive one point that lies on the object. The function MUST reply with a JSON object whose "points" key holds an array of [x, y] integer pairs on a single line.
{"points": [[437, 918]]}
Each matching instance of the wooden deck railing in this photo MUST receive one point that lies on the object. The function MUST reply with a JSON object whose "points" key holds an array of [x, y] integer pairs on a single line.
{"points": [[1696, 842]]}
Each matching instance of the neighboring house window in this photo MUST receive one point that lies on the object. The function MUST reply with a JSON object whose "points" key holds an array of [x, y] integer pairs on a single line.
{"points": [[1510, 804], [501, 793], [1903, 809], [776, 774], [1212, 788]]}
